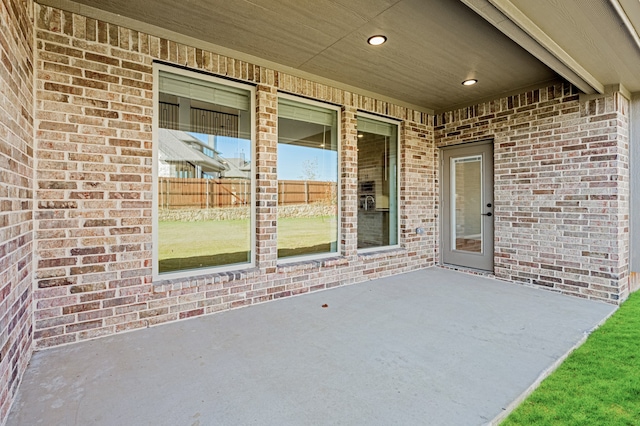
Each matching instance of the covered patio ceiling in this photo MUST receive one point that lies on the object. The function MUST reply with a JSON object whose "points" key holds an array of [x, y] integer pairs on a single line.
{"points": [[433, 45]]}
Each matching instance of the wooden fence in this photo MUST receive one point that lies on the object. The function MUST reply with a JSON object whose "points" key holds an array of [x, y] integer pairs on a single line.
{"points": [[181, 193]]}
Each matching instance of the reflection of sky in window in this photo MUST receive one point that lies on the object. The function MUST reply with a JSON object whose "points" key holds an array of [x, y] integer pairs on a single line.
{"points": [[291, 158], [229, 147]]}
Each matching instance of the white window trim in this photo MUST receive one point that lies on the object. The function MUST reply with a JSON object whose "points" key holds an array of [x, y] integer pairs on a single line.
{"points": [[156, 276], [396, 123], [337, 253]]}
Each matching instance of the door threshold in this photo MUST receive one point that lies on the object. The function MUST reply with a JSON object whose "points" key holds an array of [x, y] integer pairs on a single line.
{"points": [[467, 270]]}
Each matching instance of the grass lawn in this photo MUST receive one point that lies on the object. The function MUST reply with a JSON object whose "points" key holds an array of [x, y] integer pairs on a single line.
{"points": [[598, 384], [186, 245]]}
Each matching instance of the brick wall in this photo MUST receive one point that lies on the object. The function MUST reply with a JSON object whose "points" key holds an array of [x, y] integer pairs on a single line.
{"points": [[561, 187], [16, 195], [94, 214]]}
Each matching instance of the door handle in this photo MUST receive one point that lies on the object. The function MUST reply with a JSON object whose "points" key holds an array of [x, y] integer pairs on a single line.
{"points": [[487, 214]]}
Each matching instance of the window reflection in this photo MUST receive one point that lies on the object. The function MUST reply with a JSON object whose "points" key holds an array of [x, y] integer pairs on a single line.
{"points": [[377, 183], [467, 203], [307, 179], [204, 174]]}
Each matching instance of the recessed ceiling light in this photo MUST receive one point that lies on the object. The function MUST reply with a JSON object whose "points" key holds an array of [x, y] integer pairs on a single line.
{"points": [[376, 40], [469, 82], [360, 135]]}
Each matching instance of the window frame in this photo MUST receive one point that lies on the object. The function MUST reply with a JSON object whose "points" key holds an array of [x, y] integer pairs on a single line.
{"points": [[196, 75], [338, 110], [397, 124]]}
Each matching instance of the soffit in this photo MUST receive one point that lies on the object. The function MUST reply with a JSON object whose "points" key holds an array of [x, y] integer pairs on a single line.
{"points": [[432, 44]]}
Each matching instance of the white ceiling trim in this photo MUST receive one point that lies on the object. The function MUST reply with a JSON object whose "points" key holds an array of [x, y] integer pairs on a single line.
{"points": [[626, 10], [516, 16]]}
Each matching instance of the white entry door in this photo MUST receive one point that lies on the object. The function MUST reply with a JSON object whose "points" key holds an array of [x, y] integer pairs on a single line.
{"points": [[467, 205]]}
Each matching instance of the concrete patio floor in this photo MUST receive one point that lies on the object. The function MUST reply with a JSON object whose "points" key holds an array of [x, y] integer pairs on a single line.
{"points": [[431, 347]]}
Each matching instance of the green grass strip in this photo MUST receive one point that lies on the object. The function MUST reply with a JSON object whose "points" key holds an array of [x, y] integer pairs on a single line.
{"points": [[598, 384]]}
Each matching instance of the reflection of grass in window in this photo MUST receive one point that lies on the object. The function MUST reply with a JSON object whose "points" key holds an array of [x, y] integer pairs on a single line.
{"points": [[306, 235], [192, 245]]}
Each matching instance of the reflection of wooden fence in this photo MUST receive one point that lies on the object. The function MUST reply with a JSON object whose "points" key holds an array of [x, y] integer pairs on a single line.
{"points": [[180, 193], [305, 192]]}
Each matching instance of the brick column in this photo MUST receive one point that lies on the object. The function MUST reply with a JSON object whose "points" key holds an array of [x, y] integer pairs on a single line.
{"points": [[418, 206], [266, 177], [349, 183]]}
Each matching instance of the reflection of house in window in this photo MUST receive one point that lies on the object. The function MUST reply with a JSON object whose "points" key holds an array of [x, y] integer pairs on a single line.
{"points": [[188, 139], [203, 149], [184, 155], [237, 168]]}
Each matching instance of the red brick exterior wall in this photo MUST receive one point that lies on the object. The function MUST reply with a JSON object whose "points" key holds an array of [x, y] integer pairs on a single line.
{"points": [[561, 187], [94, 215], [16, 195]]}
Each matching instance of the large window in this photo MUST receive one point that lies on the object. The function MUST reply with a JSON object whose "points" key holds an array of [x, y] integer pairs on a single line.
{"points": [[377, 183], [307, 179], [203, 165]]}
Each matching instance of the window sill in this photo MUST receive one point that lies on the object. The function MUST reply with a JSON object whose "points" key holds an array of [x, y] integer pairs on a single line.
{"points": [[382, 253], [198, 280], [302, 265]]}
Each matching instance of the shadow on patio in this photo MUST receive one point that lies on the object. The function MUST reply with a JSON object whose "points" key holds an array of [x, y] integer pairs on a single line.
{"points": [[428, 347]]}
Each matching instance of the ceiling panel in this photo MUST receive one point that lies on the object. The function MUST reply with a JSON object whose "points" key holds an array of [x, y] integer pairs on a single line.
{"points": [[432, 44], [593, 34], [428, 56], [288, 32]]}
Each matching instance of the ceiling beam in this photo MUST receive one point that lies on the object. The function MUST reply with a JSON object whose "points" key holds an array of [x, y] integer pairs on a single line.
{"points": [[511, 21]]}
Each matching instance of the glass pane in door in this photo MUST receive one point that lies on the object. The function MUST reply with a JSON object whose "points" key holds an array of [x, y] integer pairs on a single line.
{"points": [[466, 200]]}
